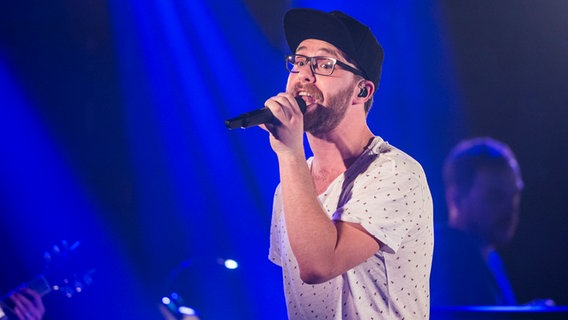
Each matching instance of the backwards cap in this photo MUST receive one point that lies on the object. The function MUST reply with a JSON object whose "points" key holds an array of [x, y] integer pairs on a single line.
{"points": [[344, 32]]}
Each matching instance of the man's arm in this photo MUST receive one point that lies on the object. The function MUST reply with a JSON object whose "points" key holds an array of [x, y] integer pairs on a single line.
{"points": [[324, 249]]}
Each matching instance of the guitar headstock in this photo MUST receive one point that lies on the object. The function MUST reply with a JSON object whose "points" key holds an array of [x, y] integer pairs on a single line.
{"points": [[64, 271]]}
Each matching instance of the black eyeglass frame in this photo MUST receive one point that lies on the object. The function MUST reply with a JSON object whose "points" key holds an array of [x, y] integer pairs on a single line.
{"points": [[311, 61]]}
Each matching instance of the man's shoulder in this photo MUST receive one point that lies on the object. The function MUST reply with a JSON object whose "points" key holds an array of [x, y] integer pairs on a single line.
{"points": [[451, 242], [448, 234], [388, 152]]}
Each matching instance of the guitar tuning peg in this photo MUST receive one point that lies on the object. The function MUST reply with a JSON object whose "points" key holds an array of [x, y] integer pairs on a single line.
{"points": [[47, 257], [74, 245]]}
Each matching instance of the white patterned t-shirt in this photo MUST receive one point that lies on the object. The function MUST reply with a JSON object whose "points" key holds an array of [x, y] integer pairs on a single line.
{"points": [[386, 192]]}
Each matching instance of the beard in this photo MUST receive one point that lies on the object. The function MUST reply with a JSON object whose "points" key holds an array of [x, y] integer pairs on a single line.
{"points": [[325, 118]]}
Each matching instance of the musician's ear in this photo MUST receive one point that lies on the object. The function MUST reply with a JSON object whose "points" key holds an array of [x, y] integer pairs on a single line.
{"points": [[366, 89]]}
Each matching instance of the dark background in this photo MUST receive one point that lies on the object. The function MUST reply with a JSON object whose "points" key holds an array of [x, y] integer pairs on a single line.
{"points": [[111, 133]]}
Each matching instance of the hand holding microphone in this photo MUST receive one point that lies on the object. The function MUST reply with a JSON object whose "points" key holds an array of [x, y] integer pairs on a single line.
{"points": [[259, 116]]}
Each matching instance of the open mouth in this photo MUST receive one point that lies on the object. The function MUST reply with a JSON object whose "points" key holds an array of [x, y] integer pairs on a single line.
{"points": [[308, 97]]}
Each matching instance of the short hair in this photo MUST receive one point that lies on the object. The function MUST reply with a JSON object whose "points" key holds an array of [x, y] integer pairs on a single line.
{"points": [[369, 103], [472, 155]]}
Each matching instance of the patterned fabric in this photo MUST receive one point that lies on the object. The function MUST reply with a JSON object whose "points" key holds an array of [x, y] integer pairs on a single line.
{"points": [[386, 192]]}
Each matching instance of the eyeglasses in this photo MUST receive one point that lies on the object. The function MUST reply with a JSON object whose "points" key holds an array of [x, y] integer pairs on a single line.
{"points": [[319, 65]]}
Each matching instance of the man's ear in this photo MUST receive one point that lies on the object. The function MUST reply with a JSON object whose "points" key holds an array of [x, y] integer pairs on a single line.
{"points": [[452, 201], [366, 89]]}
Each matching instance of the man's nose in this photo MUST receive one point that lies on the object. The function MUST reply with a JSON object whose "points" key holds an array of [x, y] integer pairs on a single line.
{"points": [[306, 74]]}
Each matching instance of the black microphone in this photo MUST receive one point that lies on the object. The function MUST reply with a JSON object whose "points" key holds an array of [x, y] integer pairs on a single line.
{"points": [[257, 117]]}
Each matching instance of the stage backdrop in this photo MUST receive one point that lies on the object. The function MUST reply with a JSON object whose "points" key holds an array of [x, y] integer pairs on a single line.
{"points": [[112, 134]]}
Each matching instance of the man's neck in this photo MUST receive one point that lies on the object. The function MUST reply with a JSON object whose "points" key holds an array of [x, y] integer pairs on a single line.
{"points": [[338, 150], [484, 247]]}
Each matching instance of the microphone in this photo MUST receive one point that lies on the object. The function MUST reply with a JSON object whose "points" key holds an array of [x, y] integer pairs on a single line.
{"points": [[256, 117]]}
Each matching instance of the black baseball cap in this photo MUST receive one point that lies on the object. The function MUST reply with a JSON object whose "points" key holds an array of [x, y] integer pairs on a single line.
{"points": [[344, 32]]}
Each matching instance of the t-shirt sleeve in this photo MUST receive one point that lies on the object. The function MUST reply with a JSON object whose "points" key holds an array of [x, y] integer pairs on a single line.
{"points": [[276, 229], [388, 200]]}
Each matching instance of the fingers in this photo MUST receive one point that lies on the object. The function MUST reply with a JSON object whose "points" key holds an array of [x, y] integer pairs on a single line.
{"points": [[27, 304], [35, 299], [287, 129], [284, 107]]}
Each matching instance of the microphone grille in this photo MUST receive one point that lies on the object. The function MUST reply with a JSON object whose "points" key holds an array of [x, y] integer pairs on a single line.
{"points": [[301, 104]]}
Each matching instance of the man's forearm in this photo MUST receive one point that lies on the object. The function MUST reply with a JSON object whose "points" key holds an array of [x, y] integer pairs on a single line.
{"points": [[311, 233]]}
